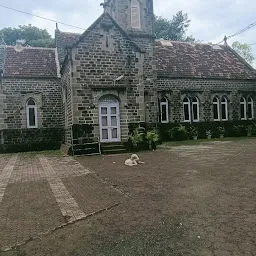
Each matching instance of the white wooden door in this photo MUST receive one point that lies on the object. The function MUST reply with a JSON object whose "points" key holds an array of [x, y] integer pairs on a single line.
{"points": [[109, 122]]}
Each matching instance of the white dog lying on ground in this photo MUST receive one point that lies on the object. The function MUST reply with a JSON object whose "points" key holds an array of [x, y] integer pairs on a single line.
{"points": [[134, 160]]}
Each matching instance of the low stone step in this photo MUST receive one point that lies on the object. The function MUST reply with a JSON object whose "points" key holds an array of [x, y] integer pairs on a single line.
{"points": [[114, 151]]}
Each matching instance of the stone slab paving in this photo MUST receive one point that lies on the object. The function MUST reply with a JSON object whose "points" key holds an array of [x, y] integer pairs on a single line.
{"points": [[41, 193], [66, 202], [5, 176]]}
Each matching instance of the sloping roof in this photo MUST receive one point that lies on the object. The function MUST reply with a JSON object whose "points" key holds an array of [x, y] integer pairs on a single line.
{"points": [[2, 53], [179, 59], [67, 39], [106, 17], [30, 62]]}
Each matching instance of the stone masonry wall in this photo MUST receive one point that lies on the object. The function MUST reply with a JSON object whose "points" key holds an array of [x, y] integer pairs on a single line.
{"points": [[46, 93], [67, 103], [205, 90], [96, 66]]}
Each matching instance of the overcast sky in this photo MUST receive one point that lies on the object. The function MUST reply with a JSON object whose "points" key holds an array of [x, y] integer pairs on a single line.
{"points": [[210, 19]]}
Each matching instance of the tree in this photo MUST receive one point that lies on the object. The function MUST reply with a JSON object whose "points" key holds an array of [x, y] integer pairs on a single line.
{"points": [[174, 29], [32, 35], [244, 50]]}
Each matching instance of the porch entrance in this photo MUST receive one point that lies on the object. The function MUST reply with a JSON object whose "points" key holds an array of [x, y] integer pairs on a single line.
{"points": [[109, 119]]}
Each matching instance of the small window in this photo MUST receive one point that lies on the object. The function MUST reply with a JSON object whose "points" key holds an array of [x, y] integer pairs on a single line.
{"points": [[107, 41], [250, 109], [224, 109], [31, 112], [187, 110], [216, 109], [135, 14], [243, 108], [195, 109], [164, 108]]}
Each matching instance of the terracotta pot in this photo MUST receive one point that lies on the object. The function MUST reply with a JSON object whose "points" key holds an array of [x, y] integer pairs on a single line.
{"points": [[194, 137]]}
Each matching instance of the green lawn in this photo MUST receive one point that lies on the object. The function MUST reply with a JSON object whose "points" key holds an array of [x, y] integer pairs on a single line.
{"points": [[201, 141]]}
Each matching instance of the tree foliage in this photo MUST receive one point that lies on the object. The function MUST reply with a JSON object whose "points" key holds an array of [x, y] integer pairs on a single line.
{"points": [[244, 50], [32, 35], [174, 29]]}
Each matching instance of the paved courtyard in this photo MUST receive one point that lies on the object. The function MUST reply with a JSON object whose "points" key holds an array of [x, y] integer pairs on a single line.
{"points": [[40, 193], [196, 200]]}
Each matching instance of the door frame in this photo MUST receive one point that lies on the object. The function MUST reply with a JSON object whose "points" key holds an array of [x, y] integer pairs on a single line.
{"points": [[108, 106]]}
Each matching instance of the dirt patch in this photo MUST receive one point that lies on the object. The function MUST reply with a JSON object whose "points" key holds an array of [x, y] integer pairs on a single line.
{"points": [[200, 203]]}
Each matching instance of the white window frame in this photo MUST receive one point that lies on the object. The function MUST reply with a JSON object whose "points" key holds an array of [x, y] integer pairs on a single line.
{"points": [[218, 108], [28, 107], [250, 105], [224, 101], [189, 109], [197, 109], [166, 104], [135, 7], [245, 108]]}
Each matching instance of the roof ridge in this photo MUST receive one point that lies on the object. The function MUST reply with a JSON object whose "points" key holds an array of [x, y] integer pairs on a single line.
{"points": [[73, 33], [190, 43], [31, 47]]}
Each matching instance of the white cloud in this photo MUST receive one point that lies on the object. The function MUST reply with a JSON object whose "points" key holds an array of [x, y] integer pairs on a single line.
{"points": [[210, 20]]}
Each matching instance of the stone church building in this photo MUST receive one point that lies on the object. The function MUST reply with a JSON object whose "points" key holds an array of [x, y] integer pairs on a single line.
{"points": [[115, 75]]}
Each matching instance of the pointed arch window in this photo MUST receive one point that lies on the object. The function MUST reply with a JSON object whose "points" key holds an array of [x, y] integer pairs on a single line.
{"points": [[195, 109], [243, 108], [31, 113], [187, 110], [191, 109], [164, 109], [224, 109], [135, 14], [216, 109], [250, 108]]}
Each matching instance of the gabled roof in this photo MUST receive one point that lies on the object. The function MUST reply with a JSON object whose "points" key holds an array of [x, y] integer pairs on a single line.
{"points": [[67, 39], [108, 16], [185, 60], [2, 53], [30, 62]]}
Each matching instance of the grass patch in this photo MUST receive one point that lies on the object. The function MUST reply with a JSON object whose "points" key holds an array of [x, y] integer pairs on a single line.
{"points": [[203, 141]]}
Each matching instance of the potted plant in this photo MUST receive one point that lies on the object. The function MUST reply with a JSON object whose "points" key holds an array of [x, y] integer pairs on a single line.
{"points": [[152, 137], [136, 137], [249, 130], [221, 131], [209, 134], [179, 133], [194, 133]]}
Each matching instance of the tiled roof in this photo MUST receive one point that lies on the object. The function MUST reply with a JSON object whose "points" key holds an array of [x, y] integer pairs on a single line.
{"points": [[179, 59], [67, 39], [2, 52], [30, 62]]}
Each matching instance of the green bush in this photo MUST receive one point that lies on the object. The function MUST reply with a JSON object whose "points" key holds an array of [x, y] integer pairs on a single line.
{"points": [[152, 138], [179, 133], [202, 127]]}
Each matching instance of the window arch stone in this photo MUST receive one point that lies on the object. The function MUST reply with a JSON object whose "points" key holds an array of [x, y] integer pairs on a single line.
{"points": [[135, 14]]}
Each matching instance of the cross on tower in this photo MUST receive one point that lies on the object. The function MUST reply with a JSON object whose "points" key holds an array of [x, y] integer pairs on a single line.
{"points": [[104, 5]]}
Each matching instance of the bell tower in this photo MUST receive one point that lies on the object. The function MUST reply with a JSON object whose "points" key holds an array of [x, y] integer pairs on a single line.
{"points": [[134, 16]]}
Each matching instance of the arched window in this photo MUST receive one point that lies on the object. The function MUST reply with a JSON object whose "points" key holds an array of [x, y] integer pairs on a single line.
{"points": [[164, 109], [250, 108], [195, 109], [31, 112], [135, 14], [224, 109], [187, 110], [243, 108], [216, 109]]}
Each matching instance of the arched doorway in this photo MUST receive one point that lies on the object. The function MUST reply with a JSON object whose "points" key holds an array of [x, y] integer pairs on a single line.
{"points": [[109, 119]]}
